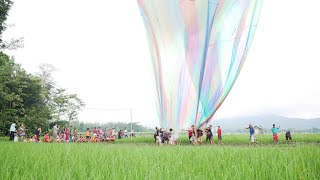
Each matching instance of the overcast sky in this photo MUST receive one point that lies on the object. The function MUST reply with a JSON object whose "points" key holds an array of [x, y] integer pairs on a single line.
{"points": [[100, 50]]}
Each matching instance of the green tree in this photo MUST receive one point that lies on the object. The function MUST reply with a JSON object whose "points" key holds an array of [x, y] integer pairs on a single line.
{"points": [[21, 97], [63, 106], [5, 6]]}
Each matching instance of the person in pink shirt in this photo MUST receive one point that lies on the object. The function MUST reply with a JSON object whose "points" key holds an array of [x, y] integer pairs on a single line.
{"points": [[66, 135]]}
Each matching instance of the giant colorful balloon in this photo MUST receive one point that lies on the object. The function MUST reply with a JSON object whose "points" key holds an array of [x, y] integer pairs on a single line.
{"points": [[198, 48]]}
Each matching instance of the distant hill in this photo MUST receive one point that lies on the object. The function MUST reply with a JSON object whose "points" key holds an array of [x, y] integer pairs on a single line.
{"points": [[266, 121]]}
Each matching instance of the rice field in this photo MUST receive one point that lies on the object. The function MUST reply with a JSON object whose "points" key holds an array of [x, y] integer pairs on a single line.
{"points": [[139, 158]]}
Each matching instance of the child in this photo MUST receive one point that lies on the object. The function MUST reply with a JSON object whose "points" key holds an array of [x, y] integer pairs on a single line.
{"points": [[167, 136], [88, 134], [15, 139], [193, 138], [94, 138], [22, 132], [219, 131], [275, 132], [99, 132], [251, 131], [74, 135], [38, 132], [288, 136], [34, 138], [199, 135], [209, 135], [156, 136], [190, 133], [66, 135], [46, 138]]}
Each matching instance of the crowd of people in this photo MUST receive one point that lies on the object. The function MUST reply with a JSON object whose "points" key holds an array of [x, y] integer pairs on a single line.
{"points": [[274, 130], [65, 135], [195, 136], [161, 135]]}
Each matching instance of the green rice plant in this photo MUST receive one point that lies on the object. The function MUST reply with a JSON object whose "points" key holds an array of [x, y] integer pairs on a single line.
{"points": [[144, 160]]}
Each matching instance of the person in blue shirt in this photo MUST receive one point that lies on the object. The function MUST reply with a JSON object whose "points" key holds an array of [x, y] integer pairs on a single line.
{"points": [[275, 132], [252, 135]]}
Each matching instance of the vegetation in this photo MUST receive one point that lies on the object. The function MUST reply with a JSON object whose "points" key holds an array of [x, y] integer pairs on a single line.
{"points": [[144, 160], [82, 126]]}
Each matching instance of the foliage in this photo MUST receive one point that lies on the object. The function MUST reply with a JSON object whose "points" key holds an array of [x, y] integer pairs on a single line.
{"points": [[27, 99], [82, 126], [63, 106], [146, 161], [5, 6]]}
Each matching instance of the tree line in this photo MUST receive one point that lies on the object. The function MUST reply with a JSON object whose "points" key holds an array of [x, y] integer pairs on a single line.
{"points": [[82, 126], [30, 99]]}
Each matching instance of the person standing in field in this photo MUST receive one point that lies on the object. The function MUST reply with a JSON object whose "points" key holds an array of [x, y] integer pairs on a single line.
{"points": [[38, 132], [74, 134], [132, 133], [125, 132], [199, 135], [219, 132], [156, 135], [66, 135], [171, 137], [288, 136], [12, 131], [70, 135], [192, 132], [22, 132], [167, 136], [88, 134], [251, 131], [55, 132], [209, 134], [99, 132], [275, 132]]}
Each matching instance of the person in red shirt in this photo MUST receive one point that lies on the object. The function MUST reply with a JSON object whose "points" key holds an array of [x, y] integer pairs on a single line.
{"points": [[219, 131], [47, 138], [192, 135], [94, 130]]}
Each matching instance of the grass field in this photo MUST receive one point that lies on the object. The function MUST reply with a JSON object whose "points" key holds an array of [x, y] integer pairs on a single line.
{"points": [[141, 159]]}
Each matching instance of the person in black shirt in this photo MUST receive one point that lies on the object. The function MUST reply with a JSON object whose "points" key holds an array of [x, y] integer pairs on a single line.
{"points": [[288, 136], [209, 134], [38, 132]]}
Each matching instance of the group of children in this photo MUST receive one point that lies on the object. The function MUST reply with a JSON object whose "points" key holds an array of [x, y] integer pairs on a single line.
{"points": [[196, 135], [274, 130], [66, 135], [162, 136], [94, 135]]}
